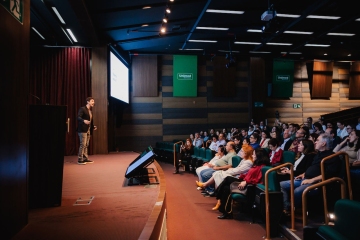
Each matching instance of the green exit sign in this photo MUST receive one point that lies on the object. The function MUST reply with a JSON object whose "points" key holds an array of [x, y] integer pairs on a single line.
{"points": [[296, 105]]}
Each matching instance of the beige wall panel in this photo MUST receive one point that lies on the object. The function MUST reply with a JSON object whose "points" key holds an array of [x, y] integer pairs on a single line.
{"points": [[297, 84], [344, 90], [323, 110], [321, 105], [290, 114], [167, 57], [315, 101], [344, 95], [297, 90], [127, 116], [343, 85], [335, 85], [343, 71], [146, 99], [167, 72], [170, 138], [202, 89], [271, 111], [305, 84], [285, 120], [184, 104], [305, 95], [295, 99], [282, 104], [185, 99], [349, 104], [335, 95], [185, 121], [227, 105], [335, 90], [305, 90], [167, 89], [202, 70], [236, 121]]}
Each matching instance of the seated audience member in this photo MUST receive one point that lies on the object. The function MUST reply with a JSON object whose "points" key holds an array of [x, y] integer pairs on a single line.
{"points": [[242, 168], [349, 129], [251, 130], [201, 134], [334, 140], [192, 137], [276, 134], [244, 135], [318, 128], [322, 123], [198, 141], [261, 125], [212, 162], [341, 130], [351, 146], [307, 153], [358, 125], [329, 125], [214, 143], [265, 137], [293, 127], [206, 137], [217, 133], [222, 164], [253, 176], [300, 135], [313, 136], [254, 140], [212, 132], [238, 144], [185, 152], [313, 173], [286, 140], [246, 141], [276, 153], [222, 140]]}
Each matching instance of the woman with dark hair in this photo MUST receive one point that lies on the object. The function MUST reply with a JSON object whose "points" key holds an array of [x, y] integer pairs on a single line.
{"points": [[307, 152], [318, 128], [276, 153], [351, 146], [313, 137], [265, 137], [253, 176], [186, 151]]}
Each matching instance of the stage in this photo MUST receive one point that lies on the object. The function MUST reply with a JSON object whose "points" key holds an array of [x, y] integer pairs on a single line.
{"points": [[116, 211]]}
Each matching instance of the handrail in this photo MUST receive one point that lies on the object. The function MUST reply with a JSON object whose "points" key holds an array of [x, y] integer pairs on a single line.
{"points": [[316, 185], [322, 165], [175, 151], [267, 211]]}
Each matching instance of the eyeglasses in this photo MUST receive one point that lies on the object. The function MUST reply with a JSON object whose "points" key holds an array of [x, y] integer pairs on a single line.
{"points": [[348, 128], [300, 132], [251, 137]]}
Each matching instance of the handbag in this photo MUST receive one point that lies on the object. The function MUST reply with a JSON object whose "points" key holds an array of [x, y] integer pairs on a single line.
{"points": [[234, 188]]}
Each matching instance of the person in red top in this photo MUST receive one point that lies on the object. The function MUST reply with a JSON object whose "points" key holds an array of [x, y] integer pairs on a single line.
{"points": [[254, 176], [276, 153]]}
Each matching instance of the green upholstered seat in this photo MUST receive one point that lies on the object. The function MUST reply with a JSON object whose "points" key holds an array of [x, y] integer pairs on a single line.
{"points": [[274, 185], [288, 156], [235, 161]]}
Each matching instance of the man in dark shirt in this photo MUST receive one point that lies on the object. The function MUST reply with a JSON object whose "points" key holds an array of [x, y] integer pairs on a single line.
{"points": [[313, 173]]}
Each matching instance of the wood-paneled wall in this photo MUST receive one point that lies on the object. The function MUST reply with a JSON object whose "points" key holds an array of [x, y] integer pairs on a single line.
{"points": [[339, 99], [14, 141], [165, 118]]}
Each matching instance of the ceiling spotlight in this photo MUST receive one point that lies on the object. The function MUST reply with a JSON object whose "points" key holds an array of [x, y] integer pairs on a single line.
{"points": [[168, 10], [165, 20], [163, 30]]}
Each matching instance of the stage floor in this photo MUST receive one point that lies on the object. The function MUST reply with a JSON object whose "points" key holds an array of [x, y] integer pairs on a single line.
{"points": [[116, 211]]}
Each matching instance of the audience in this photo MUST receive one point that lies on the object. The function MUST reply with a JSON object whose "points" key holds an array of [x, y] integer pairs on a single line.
{"points": [[254, 140], [286, 140], [185, 152], [341, 131], [350, 145], [198, 141], [276, 153], [212, 162], [265, 137]]}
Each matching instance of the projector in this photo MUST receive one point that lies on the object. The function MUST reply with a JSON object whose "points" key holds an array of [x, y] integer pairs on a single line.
{"points": [[268, 15]]}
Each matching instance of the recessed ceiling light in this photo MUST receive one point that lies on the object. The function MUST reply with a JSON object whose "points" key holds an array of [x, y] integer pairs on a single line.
{"points": [[37, 32], [287, 15], [146, 7], [165, 20], [317, 45], [255, 30], [291, 53], [191, 49], [58, 15], [297, 32], [325, 54], [163, 29], [349, 55], [258, 52], [224, 11], [357, 19], [208, 41], [342, 34], [228, 51], [279, 44], [145, 25], [323, 17], [249, 43], [71, 34], [212, 28]]}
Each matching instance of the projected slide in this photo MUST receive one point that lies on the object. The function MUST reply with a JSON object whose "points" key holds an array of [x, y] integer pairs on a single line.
{"points": [[119, 79]]}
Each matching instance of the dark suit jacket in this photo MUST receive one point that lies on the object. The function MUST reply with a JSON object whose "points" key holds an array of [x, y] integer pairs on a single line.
{"points": [[288, 144], [83, 114], [304, 164]]}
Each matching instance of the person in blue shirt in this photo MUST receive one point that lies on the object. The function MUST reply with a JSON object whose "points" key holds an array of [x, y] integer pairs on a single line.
{"points": [[254, 139]]}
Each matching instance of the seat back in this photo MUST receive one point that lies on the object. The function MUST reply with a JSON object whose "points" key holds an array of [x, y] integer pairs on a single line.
{"points": [[202, 153], [235, 161], [274, 185], [345, 210], [289, 156], [208, 155]]}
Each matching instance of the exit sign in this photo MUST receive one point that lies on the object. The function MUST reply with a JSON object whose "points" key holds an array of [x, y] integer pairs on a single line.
{"points": [[296, 105]]}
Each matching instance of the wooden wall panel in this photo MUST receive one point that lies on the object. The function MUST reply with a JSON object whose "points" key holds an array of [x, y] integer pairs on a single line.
{"points": [[99, 88], [224, 78], [14, 90], [321, 85], [354, 82], [144, 71]]}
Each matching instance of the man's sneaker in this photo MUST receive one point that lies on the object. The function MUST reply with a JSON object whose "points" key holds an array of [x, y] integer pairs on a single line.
{"points": [[88, 161], [82, 162]]}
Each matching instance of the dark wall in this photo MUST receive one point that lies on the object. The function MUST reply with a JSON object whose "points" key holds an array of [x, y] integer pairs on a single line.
{"points": [[14, 60]]}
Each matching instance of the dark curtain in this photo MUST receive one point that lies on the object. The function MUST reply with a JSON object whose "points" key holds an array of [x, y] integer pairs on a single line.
{"points": [[61, 76]]}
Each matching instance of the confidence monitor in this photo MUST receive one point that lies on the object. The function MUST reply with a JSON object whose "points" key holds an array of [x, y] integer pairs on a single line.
{"points": [[136, 168]]}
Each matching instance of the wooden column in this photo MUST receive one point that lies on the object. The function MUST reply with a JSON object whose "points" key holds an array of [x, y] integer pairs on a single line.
{"points": [[354, 81], [257, 88], [144, 71], [321, 82]]}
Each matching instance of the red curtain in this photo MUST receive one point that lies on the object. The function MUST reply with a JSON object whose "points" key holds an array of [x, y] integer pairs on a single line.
{"points": [[61, 76]]}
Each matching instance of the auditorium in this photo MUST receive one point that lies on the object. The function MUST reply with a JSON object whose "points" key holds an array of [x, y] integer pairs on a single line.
{"points": [[179, 119]]}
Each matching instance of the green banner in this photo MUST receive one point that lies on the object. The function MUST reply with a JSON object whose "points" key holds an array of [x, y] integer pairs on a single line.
{"points": [[184, 76], [15, 8], [283, 79]]}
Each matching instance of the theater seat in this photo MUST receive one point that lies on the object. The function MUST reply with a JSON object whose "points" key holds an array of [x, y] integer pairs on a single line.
{"points": [[346, 224]]}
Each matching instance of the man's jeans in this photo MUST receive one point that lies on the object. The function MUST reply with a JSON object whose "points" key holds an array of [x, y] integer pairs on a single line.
{"points": [[298, 190], [84, 144]]}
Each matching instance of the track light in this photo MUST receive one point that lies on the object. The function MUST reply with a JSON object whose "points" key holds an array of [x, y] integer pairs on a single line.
{"points": [[163, 29], [165, 20], [168, 10]]}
